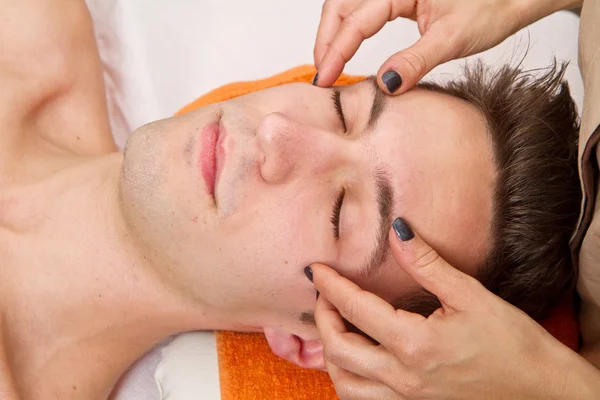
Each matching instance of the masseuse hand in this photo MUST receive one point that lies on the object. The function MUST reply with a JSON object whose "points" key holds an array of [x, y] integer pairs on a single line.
{"points": [[476, 346], [450, 29]]}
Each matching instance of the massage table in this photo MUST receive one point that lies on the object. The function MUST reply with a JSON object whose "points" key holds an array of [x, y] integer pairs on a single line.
{"points": [[160, 55]]}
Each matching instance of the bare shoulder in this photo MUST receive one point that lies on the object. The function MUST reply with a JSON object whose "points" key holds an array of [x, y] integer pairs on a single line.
{"points": [[51, 77]]}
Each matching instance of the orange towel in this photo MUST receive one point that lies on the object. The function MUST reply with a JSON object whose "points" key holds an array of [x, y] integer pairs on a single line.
{"points": [[247, 368]]}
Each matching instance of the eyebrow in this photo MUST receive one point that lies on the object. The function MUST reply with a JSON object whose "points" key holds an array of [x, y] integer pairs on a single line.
{"points": [[384, 201], [379, 103]]}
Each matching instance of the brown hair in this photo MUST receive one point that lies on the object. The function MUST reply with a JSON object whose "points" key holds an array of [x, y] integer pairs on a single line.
{"points": [[533, 124]]}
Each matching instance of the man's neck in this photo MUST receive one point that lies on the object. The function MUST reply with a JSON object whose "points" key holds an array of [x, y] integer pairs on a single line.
{"points": [[85, 302]]}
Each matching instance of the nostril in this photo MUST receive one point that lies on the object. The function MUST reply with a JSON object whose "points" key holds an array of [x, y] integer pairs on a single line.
{"points": [[260, 163]]}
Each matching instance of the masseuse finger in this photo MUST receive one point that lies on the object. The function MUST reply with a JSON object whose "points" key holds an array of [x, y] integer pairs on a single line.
{"points": [[332, 16], [349, 386], [362, 23], [345, 37], [349, 351], [365, 310], [452, 287], [406, 68]]}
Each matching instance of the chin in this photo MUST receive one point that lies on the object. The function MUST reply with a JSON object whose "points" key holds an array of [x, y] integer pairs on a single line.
{"points": [[142, 191]]}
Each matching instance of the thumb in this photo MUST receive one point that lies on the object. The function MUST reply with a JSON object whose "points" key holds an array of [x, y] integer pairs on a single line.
{"points": [[406, 68], [452, 287]]}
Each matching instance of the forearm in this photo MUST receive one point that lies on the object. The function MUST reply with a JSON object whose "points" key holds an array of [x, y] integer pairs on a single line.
{"points": [[585, 382], [580, 379]]}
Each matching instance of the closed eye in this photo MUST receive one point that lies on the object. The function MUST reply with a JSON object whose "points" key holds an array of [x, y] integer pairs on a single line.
{"points": [[337, 102], [335, 215]]}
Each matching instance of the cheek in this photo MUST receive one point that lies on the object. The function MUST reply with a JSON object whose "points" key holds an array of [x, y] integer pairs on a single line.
{"points": [[270, 265], [272, 237], [275, 240]]}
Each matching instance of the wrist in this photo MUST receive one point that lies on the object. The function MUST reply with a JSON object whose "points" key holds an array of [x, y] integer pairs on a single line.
{"points": [[578, 378]]}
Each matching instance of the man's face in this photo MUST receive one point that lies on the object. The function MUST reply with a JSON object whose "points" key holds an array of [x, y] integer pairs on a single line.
{"points": [[295, 183]]}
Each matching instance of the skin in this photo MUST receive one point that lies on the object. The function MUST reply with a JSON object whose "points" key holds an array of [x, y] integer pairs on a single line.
{"points": [[107, 254]]}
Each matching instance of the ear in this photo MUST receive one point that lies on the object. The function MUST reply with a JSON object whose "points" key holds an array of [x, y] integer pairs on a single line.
{"points": [[304, 353]]}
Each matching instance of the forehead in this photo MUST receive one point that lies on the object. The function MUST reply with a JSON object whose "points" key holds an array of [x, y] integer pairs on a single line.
{"points": [[439, 153]]}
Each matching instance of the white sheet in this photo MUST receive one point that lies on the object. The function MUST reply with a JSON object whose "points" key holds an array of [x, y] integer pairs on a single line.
{"points": [[187, 370], [138, 382], [159, 55]]}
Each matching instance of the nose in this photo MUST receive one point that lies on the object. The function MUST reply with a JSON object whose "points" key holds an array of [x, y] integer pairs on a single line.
{"points": [[290, 148]]}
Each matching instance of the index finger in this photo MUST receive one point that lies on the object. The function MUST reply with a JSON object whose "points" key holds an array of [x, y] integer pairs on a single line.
{"points": [[332, 16], [355, 26], [365, 310]]}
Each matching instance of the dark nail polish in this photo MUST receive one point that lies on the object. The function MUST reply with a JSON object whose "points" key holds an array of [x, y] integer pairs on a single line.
{"points": [[402, 230], [318, 295], [308, 273], [392, 80], [315, 79]]}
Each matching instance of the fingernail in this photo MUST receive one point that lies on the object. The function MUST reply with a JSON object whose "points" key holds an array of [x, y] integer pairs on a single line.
{"points": [[308, 273], [392, 80], [315, 79], [318, 295], [402, 230]]}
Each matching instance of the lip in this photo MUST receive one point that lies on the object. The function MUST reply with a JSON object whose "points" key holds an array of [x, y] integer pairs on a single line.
{"points": [[207, 160], [220, 154]]}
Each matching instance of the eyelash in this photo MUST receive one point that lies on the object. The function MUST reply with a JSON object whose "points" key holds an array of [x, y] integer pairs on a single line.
{"points": [[337, 102], [335, 215]]}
